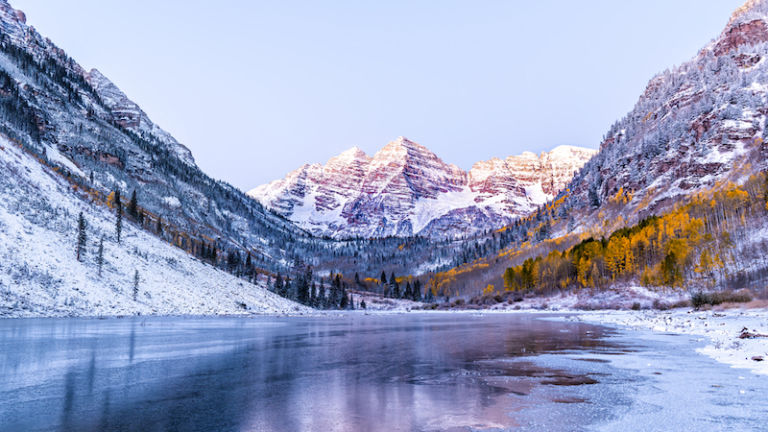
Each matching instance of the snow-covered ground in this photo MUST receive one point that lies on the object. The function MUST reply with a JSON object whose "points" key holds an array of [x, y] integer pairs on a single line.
{"points": [[722, 329], [376, 302], [619, 297], [41, 276]]}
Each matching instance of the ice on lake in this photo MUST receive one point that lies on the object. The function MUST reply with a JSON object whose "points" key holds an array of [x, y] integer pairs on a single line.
{"points": [[362, 373]]}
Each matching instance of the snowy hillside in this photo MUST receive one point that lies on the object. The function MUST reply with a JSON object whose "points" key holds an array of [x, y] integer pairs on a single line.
{"points": [[696, 127], [405, 189], [100, 139], [41, 276]]}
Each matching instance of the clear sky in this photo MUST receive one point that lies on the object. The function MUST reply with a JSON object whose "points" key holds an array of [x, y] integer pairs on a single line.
{"points": [[257, 88]]}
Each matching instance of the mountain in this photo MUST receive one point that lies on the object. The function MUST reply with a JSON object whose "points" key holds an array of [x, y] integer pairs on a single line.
{"points": [[405, 190], [70, 139], [695, 127], [676, 195], [100, 140]]}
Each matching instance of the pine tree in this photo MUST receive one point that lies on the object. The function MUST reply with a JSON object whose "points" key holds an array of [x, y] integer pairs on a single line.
{"points": [[323, 300], [100, 257], [302, 289], [383, 278], [279, 285], [336, 291], [357, 279], [417, 290], [119, 214], [133, 206], [159, 227], [136, 282], [363, 305], [82, 236], [344, 302]]}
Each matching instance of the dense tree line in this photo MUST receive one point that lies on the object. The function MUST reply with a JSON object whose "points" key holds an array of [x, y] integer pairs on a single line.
{"points": [[691, 245]]}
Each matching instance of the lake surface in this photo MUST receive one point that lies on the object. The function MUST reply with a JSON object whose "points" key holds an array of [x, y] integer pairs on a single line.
{"points": [[350, 373]]}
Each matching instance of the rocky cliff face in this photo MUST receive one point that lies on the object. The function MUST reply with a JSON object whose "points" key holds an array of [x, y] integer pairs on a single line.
{"points": [[696, 126], [129, 115], [405, 189]]}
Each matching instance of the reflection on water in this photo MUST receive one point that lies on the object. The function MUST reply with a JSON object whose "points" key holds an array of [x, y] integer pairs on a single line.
{"points": [[354, 373]]}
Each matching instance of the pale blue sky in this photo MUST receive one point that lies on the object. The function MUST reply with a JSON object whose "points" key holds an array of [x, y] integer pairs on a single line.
{"points": [[257, 88]]}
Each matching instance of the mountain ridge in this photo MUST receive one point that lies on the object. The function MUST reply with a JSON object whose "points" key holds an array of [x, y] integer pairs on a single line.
{"points": [[405, 189]]}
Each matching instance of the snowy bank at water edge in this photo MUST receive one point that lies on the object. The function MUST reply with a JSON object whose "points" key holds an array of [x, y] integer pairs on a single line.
{"points": [[738, 337]]}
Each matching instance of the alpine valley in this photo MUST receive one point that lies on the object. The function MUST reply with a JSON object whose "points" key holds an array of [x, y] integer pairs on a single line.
{"points": [[102, 212]]}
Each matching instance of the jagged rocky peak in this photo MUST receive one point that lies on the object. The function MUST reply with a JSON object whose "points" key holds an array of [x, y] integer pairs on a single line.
{"points": [[405, 189], [352, 155], [551, 170], [13, 21], [125, 112], [752, 9], [129, 114], [16, 14], [747, 26]]}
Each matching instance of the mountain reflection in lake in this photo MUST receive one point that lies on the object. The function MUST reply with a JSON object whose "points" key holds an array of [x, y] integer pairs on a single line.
{"points": [[348, 373]]}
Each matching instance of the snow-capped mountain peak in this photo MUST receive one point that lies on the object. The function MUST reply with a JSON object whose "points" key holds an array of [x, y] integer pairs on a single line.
{"points": [[406, 189]]}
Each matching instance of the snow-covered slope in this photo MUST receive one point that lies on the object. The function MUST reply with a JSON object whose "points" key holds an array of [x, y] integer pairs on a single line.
{"points": [[405, 189], [41, 276], [696, 126], [100, 139]]}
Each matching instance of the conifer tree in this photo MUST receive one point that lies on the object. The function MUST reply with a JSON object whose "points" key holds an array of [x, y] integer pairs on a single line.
{"points": [[323, 300], [383, 278], [136, 282], [302, 289], [133, 206], [278, 285], [417, 290], [119, 214], [100, 256], [82, 236]]}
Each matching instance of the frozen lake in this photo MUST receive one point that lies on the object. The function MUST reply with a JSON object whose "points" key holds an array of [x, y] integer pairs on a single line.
{"points": [[363, 373]]}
